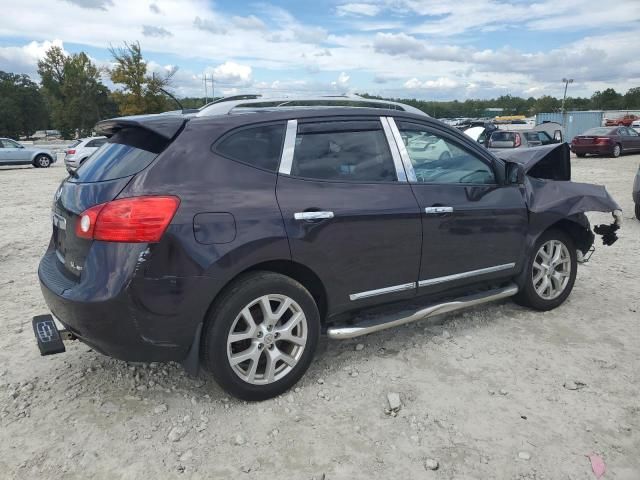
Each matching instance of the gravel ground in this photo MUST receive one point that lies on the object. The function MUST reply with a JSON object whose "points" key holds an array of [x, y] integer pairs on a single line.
{"points": [[493, 392]]}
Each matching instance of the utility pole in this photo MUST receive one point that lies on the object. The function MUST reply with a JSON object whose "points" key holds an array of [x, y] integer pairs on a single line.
{"points": [[566, 81], [206, 81]]}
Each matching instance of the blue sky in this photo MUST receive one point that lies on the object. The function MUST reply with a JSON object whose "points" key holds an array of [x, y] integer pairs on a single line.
{"points": [[431, 49]]}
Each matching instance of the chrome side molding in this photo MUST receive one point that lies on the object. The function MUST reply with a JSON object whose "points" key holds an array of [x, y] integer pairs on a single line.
{"points": [[382, 323], [382, 291], [471, 273]]}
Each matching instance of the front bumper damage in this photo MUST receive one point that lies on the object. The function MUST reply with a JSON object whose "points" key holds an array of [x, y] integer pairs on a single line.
{"points": [[550, 194]]}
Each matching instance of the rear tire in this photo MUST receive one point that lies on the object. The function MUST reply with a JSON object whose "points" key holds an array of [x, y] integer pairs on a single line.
{"points": [[581, 155], [261, 335], [550, 272], [617, 150]]}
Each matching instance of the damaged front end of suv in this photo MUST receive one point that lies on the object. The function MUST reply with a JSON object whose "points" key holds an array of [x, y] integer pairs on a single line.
{"points": [[553, 199]]}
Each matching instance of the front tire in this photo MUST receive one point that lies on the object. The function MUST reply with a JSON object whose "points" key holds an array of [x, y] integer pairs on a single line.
{"points": [[261, 335], [551, 271], [42, 161]]}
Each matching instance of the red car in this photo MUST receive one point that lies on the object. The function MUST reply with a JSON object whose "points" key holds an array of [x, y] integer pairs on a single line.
{"points": [[626, 121], [606, 141]]}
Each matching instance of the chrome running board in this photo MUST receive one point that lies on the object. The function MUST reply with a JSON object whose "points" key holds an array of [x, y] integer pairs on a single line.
{"points": [[389, 321]]}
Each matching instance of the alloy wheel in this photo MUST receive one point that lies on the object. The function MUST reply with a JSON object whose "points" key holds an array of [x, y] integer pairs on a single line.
{"points": [[43, 161], [551, 269], [616, 151], [267, 339]]}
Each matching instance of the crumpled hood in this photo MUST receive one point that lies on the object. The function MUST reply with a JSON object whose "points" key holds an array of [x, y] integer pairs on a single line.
{"points": [[548, 182]]}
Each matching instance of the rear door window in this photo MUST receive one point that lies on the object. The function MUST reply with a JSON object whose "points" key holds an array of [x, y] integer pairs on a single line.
{"points": [[355, 151], [258, 146]]}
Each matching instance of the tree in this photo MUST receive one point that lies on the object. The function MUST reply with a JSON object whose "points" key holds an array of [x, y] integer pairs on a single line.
{"points": [[608, 99], [632, 98], [23, 108], [75, 92], [142, 92]]}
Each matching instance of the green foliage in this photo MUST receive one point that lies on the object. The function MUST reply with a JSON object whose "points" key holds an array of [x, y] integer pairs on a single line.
{"points": [[76, 96], [608, 99], [141, 92], [23, 108]]}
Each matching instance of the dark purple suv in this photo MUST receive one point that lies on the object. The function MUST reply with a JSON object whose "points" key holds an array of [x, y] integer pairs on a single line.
{"points": [[233, 237]]}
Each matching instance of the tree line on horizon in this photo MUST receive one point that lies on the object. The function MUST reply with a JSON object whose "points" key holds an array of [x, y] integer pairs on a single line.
{"points": [[72, 98]]}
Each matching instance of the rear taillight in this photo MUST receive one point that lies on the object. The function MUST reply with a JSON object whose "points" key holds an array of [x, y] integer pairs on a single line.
{"points": [[133, 220], [71, 152], [518, 141], [602, 140]]}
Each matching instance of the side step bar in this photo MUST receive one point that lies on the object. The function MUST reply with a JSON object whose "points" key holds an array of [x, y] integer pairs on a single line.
{"points": [[389, 321]]}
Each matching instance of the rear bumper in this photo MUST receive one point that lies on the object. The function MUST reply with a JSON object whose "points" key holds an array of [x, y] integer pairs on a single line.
{"points": [[126, 317], [594, 149]]}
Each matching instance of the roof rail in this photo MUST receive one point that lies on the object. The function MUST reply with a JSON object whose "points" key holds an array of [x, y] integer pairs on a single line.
{"points": [[257, 102]]}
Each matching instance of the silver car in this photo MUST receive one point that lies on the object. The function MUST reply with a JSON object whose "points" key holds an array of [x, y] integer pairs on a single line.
{"points": [[80, 150], [13, 153]]}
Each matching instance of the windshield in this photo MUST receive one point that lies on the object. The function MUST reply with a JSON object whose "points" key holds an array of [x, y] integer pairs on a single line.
{"points": [[598, 131]]}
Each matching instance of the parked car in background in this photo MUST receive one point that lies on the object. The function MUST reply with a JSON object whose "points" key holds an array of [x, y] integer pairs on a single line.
{"points": [[636, 125], [80, 150], [626, 121], [636, 193], [232, 239], [606, 141], [46, 135], [14, 153], [519, 139]]}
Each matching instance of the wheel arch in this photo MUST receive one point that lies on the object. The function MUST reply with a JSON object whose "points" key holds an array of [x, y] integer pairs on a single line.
{"points": [[38, 154], [578, 228], [300, 273]]}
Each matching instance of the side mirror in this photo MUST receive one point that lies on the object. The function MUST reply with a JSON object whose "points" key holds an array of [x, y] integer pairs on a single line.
{"points": [[515, 174], [557, 136]]}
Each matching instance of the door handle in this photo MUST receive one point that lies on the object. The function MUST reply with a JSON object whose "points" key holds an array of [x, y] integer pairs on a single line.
{"points": [[437, 210], [312, 215]]}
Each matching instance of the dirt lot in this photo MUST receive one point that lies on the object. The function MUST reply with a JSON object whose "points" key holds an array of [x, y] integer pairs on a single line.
{"points": [[484, 392]]}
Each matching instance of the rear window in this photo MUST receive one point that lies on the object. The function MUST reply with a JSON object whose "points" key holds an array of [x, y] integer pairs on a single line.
{"points": [[503, 137], [74, 144], [111, 161], [125, 153], [598, 131]]}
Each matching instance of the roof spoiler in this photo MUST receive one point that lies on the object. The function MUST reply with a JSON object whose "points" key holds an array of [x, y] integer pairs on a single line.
{"points": [[165, 125]]}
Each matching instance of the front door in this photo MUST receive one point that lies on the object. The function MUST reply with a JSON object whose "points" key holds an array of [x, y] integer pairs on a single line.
{"points": [[474, 227], [349, 212], [631, 139], [13, 152]]}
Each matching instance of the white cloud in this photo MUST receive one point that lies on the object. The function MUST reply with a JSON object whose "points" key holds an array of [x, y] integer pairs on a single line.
{"points": [[25, 59], [442, 83], [364, 9], [230, 73]]}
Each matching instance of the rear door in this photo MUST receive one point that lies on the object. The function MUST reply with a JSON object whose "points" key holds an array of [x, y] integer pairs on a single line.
{"points": [[349, 212], [474, 228]]}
